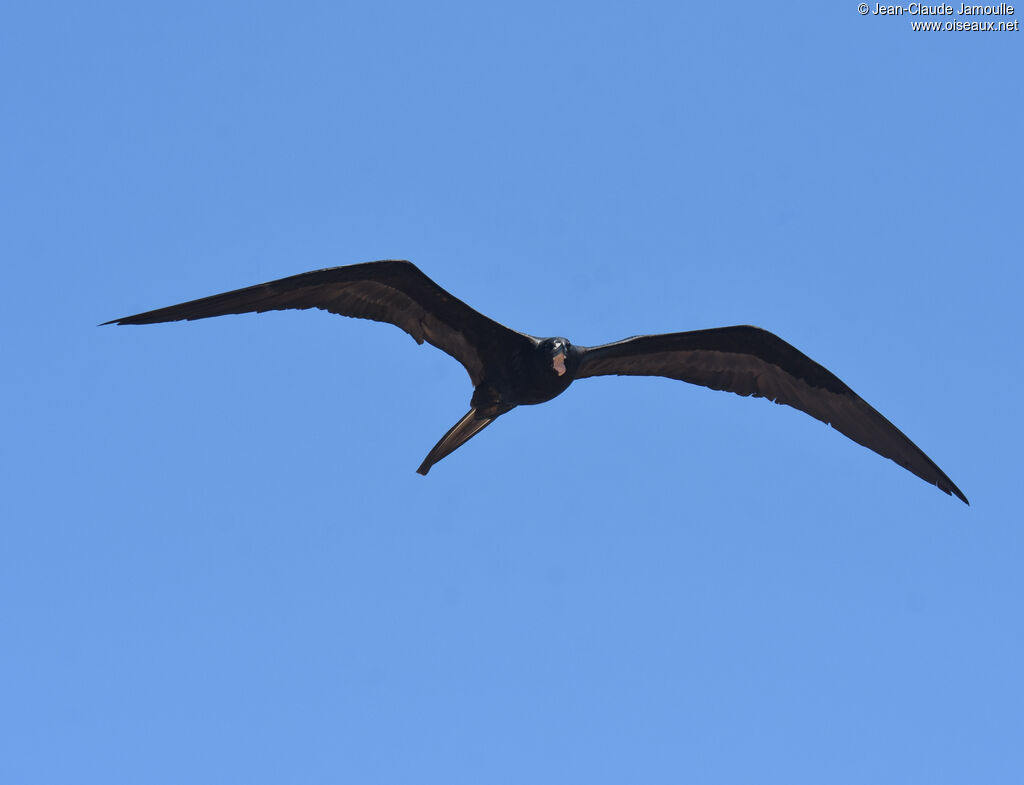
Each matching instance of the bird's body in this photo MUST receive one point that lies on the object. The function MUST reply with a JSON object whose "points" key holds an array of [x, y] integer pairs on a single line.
{"points": [[509, 368], [531, 376]]}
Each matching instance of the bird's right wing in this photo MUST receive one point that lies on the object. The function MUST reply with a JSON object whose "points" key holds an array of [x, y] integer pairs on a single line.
{"points": [[387, 291], [751, 361]]}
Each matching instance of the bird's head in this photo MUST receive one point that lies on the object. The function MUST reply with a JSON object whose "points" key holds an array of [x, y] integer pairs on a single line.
{"points": [[559, 350]]}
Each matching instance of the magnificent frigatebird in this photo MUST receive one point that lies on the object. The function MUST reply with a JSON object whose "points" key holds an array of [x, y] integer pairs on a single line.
{"points": [[510, 368]]}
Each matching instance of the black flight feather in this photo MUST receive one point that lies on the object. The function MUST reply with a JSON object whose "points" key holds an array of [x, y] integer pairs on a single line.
{"points": [[750, 361]]}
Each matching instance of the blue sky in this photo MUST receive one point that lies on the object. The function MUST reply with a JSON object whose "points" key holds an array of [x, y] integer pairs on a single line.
{"points": [[218, 564]]}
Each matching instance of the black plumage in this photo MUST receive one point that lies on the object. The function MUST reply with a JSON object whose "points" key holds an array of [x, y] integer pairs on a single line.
{"points": [[510, 368]]}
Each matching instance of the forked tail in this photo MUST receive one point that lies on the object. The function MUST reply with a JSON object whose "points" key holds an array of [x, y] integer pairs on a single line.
{"points": [[460, 433]]}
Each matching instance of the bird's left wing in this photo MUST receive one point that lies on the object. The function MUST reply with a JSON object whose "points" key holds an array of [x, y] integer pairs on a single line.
{"points": [[387, 291], [751, 361]]}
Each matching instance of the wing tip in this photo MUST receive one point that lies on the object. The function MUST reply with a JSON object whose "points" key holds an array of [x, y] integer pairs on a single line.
{"points": [[952, 490], [124, 320]]}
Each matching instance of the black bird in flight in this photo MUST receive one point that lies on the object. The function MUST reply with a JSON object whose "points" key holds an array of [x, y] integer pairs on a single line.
{"points": [[509, 368]]}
